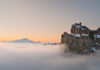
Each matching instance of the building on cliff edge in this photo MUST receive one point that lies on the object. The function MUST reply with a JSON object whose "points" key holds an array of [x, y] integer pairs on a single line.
{"points": [[78, 30]]}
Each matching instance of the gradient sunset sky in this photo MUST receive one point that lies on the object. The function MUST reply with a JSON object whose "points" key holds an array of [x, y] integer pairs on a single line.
{"points": [[45, 20]]}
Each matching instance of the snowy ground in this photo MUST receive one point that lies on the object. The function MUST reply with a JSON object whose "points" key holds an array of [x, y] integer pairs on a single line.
{"points": [[14, 56]]}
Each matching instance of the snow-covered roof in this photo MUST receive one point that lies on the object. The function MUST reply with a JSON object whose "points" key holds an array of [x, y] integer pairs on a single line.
{"points": [[78, 35], [78, 26]]}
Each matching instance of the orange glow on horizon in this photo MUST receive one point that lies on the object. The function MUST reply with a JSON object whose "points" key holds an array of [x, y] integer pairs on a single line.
{"points": [[35, 40]]}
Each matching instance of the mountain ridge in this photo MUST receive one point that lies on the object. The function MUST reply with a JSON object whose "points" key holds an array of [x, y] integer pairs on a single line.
{"points": [[23, 40]]}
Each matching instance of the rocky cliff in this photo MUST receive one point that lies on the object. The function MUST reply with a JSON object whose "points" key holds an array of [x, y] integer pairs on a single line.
{"points": [[80, 45]]}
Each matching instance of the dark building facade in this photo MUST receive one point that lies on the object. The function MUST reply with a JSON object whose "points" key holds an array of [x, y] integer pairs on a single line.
{"points": [[77, 28]]}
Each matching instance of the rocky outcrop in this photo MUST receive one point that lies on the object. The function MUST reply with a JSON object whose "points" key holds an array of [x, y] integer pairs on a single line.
{"points": [[81, 44]]}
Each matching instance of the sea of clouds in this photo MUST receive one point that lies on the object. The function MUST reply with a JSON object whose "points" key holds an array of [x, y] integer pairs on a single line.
{"points": [[20, 56]]}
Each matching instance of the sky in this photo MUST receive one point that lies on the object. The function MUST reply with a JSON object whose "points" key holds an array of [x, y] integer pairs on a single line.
{"points": [[45, 20]]}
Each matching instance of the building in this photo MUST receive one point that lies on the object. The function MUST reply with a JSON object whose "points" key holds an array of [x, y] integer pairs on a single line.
{"points": [[77, 28]]}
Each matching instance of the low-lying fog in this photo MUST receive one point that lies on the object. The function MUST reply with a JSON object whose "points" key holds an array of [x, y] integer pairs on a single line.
{"points": [[14, 56]]}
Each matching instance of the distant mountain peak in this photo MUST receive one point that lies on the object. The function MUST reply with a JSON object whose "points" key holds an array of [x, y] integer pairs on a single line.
{"points": [[23, 40]]}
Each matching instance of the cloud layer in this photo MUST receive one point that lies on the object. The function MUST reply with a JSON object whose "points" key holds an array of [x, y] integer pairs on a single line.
{"points": [[15, 56]]}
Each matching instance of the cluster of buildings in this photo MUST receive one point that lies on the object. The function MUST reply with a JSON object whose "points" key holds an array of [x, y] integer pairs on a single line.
{"points": [[78, 29]]}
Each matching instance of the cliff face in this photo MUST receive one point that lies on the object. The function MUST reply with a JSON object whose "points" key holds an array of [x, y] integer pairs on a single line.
{"points": [[82, 41], [81, 45]]}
